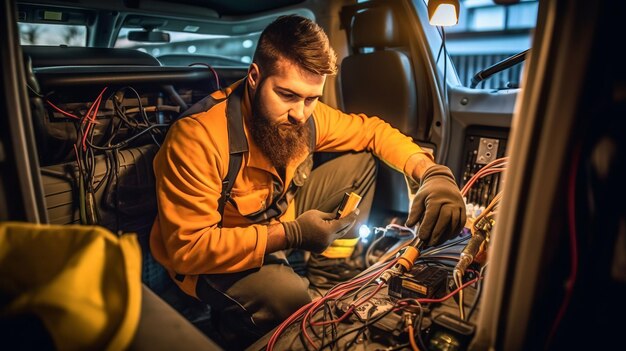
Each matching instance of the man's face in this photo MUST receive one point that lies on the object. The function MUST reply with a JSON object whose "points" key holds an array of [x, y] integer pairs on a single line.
{"points": [[281, 105]]}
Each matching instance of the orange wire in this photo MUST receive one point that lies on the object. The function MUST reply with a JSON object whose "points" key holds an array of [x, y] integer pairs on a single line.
{"points": [[412, 339]]}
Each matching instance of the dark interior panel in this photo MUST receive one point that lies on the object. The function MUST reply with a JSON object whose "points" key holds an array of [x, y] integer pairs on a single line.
{"points": [[474, 110], [127, 110], [125, 196], [483, 145]]}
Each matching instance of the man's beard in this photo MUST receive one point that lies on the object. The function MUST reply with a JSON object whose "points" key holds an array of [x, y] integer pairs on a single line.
{"points": [[280, 142]]}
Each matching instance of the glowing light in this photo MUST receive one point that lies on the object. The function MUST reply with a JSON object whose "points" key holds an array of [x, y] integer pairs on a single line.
{"points": [[443, 12], [364, 232], [445, 15]]}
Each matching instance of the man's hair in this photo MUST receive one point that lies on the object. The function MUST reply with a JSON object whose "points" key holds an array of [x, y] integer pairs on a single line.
{"points": [[300, 41]]}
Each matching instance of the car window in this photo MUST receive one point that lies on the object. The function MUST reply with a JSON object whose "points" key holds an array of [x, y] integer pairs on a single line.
{"points": [[488, 33], [52, 34], [213, 49]]}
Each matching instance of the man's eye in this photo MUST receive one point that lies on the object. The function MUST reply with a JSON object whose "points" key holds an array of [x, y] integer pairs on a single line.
{"points": [[287, 96], [310, 100]]}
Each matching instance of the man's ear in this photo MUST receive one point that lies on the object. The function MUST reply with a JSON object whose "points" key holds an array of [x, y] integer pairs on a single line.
{"points": [[254, 76]]}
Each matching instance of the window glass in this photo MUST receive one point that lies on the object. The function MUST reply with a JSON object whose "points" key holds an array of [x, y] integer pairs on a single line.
{"points": [[487, 18], [488, 33], [52, 34], [523, 15], [183, 48]]}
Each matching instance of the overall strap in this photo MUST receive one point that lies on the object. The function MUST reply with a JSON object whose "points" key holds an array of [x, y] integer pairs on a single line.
{"points": [[312, 134], [237, 145], [237, 142], [205, 104]]}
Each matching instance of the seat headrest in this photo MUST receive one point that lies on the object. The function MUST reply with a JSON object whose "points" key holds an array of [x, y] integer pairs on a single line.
{"points": [[375, 27]]}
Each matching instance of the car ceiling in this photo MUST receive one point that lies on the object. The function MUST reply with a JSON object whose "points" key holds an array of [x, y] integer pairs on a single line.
{"points": [[212, 8], [239, 7]]}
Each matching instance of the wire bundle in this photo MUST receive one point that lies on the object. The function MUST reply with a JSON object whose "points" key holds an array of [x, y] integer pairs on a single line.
{"points": [[305, 313], [134, 121], [481, 224], [320, 313], [495, 166], [318, 322]]}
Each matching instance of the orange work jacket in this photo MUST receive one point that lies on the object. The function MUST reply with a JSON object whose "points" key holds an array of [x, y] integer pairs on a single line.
{"points": [[192, 162]]}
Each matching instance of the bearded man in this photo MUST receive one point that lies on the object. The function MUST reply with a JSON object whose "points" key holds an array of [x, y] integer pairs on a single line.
{"points": [[226, 248]]}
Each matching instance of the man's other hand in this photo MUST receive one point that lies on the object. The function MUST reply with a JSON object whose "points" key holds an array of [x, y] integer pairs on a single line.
{"points": [[438, 205], [315, 230]]}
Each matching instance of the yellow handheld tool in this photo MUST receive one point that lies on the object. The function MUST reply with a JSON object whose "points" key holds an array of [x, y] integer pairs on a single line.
{"points": [[343, 248], [348, 204]]}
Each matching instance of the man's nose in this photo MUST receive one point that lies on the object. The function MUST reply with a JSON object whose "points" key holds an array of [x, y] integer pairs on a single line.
{"points": [[296, 113]]}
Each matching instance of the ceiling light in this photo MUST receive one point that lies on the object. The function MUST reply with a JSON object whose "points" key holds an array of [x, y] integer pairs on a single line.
{"points": [[443, 12]]}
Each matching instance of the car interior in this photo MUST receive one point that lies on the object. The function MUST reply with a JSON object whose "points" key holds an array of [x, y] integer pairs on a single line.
{"points": [[84, 122]]}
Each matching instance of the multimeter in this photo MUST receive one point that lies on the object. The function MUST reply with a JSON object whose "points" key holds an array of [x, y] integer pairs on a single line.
{"points": [[348, 204]]}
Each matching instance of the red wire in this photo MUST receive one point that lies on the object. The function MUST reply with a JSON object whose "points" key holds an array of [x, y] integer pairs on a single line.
{"points": [[450, 294], [92, 120], [314, 308], [352, 307], [478, 175], [365, 299], [217, 78], [336, 292], [294, 317], [571, 218], [61, 111], [488, 169], [344, 288], [483, 172], [282, 326], [86, 118]]}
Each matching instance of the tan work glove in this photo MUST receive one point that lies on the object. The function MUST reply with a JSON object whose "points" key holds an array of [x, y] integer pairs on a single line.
{"points": [[438, 205], [315, 230]]}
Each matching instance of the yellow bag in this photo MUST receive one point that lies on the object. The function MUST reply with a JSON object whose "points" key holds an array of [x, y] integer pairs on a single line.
{"points": [[82, 282]]}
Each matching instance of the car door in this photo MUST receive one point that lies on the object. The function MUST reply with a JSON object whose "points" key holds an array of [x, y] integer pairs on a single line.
{"points": [[470, 126], [557, 273], [22, 188]]}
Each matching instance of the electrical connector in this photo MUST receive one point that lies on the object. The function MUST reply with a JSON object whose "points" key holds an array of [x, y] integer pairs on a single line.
{"points": [[406, 259], [483, 224], [470, 251], [408, 319]]}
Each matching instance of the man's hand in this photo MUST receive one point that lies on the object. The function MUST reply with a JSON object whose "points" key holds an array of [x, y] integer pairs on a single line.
{"points": [[439, 206], [315, 230]]}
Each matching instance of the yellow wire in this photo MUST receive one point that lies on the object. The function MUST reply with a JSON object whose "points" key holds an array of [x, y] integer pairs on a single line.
{"points": [[488, 210]]}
